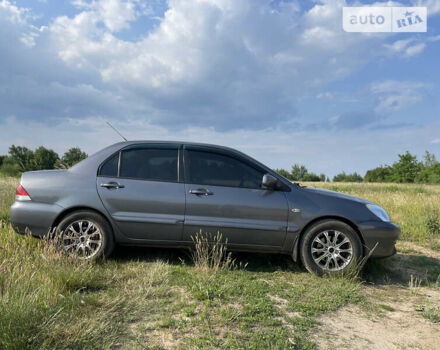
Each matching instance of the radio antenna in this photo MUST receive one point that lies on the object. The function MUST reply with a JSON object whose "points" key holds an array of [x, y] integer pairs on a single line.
{"points": [[116, 130]]}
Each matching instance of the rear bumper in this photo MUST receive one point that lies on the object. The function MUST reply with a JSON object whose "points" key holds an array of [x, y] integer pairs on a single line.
{"points": [[34, 218], [380, 238]]}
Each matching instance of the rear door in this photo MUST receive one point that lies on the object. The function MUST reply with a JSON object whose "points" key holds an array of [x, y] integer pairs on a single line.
{"points": [[224, 194], [141, 188]]}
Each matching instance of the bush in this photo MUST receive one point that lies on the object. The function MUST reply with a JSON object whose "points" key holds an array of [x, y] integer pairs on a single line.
{"points": [[73, 156], [23, 159], [45, 158], [406, 168], [10, 168], [285, 173], [300, 173], [429, 175], [379, 174], [311, 177], [432, 222], [343, 177]]}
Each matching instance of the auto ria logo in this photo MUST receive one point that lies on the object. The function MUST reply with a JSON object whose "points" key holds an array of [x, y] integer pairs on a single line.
{"points": [[384, 19]]}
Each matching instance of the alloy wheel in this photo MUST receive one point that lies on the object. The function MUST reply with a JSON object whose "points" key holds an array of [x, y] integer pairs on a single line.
{"points": [[82, 239], [332, 250]]}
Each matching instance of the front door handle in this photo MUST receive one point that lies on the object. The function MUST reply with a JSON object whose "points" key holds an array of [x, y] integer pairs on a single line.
{"points": [[112, 185], [201, 192]]}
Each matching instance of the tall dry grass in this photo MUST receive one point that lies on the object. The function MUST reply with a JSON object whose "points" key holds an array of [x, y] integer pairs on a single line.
{"points": [[210, 252], [7, 195], [50, 301], [37, 283]]}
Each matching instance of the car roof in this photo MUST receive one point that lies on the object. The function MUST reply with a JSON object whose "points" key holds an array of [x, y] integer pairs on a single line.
{"points": [[134, 142], [225, 148]]}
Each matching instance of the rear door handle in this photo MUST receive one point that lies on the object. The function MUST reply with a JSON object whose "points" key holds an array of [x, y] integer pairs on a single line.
{"points": [[201, 192], [112, 185]]}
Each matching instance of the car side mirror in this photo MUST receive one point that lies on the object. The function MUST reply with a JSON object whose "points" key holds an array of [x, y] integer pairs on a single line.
{"points": [[269, 181]]}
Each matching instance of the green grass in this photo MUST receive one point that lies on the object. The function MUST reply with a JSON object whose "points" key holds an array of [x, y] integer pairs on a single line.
{"points": [[49, 301], [431, 313], [145, 298], [386, 307]]}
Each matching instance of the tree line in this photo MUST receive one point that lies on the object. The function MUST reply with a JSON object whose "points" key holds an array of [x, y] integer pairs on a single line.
{"points": [[21, 159], [407, 169]]}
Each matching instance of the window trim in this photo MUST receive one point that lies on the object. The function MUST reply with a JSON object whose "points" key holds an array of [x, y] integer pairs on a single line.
{"points": [[172, 146], [225, 153]]}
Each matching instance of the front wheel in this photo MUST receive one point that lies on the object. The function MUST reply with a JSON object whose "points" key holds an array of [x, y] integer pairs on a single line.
{"points": [[330, 247], [85, 235]]}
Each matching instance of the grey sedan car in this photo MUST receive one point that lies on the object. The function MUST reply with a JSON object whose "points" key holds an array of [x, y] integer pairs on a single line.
{"points": [[156, 193]]}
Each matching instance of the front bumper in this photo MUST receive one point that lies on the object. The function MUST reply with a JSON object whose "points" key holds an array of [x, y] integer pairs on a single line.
{"points": [[379, 238], [34, 218]]}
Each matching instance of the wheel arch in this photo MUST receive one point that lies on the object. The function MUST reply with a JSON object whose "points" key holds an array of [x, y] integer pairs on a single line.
{"points": [[295, 252], [71, 210]]}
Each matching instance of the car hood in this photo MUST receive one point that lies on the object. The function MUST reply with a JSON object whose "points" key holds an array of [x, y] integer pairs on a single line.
{"points": [[334, 194]]}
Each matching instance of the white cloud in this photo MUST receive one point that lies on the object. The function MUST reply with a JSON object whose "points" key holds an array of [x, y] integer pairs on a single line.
{"points": [[408, 47], [415, 49], [396, 95], [115, 14], [399, 45], [393, 103], [325, 95], [13, 16], [227, 64], [211, 61], [434, 38], [12, 13], [396, 86]]}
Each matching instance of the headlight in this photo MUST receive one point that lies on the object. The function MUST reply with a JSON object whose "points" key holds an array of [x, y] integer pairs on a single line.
{"points": [[380, 212]]}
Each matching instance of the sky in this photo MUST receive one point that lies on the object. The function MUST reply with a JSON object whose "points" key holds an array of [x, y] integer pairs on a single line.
{"points": [[278, 80]]}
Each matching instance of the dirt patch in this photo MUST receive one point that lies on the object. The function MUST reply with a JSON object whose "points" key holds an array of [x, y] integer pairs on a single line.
{"points": [[418, 249], [399, 325], [280, 304], [406, 269]]}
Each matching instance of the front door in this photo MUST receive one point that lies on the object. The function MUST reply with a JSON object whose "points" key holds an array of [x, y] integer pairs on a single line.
{"points": [[140, 189], [224, 194]]}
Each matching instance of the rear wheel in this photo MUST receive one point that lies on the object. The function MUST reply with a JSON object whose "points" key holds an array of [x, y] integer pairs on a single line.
{"points": [[330, 247], [86, 235]]}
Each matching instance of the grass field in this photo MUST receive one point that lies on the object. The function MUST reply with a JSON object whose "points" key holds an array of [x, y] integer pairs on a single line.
{"points": [[160, 299]]}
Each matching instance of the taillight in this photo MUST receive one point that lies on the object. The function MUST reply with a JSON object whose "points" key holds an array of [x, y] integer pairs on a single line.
{"points": [[21, 194]]}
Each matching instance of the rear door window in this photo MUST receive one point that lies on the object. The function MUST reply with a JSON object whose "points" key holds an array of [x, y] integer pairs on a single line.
{"points": [[149, 163]]}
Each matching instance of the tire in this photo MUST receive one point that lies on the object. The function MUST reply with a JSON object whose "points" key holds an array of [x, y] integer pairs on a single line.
{"points": [[97, 240], [321, 255]]}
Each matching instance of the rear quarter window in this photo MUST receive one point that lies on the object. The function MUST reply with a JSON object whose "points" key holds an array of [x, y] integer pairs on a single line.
{"points": [[110, 167]]}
